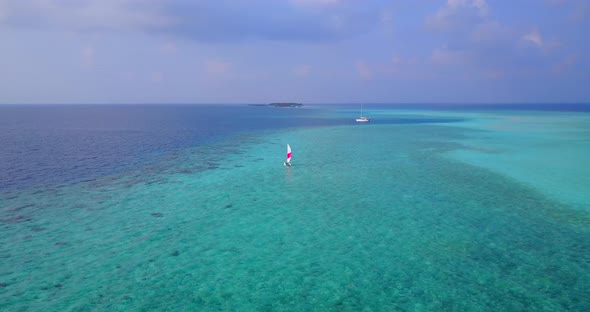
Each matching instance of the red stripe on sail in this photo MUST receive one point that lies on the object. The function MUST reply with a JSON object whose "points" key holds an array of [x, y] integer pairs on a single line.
{"points": [[288, 155]]}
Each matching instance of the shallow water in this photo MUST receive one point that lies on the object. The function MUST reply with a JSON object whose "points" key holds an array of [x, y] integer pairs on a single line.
{"points": [[545, 150], [382, 216]]}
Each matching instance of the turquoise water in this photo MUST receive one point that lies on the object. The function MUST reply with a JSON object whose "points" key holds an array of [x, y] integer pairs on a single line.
{"points": [[377, 217]]}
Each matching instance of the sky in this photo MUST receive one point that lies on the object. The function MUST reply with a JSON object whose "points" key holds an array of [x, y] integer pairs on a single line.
{"points": [[307, 51]]}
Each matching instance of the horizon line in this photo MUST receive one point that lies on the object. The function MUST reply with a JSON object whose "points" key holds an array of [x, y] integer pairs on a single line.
{"points": [[311, 103]]}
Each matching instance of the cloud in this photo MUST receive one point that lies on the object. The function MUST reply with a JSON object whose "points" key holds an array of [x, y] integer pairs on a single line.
{"points": [[398, 60], [84, 15], [495, 74], [88, 56], [386, 21], [363, 70], [445, 56], [217, 67], [307, 21], [169, 48], [565, 64], [4, 12], [456, 14], [534, 37], [406, 68], [386, 17], [302, 71], [480, 5], [206, 20], [490, 33], [315, 3], [483, 46], [581, 11]]}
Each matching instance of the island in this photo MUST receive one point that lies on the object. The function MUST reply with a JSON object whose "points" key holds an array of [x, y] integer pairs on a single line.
{"points": [[286, 104], [282, 105]]}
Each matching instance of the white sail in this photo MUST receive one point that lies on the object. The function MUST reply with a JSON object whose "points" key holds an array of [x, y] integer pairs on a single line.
{"points": [[288, 154], [362, 118]]}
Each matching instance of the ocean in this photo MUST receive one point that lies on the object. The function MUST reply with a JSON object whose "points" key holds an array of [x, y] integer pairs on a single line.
{"points": [[189, 208]]}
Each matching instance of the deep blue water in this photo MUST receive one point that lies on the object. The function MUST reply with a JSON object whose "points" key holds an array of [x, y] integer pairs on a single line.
{"points": [[56, 144], [45, 144]]}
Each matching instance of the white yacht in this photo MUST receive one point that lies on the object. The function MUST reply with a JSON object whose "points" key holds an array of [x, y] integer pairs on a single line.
{"points": [[362, 118]]}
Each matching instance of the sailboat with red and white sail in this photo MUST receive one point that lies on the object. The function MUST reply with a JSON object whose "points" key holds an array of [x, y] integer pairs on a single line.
{"points": [[288, 162]]}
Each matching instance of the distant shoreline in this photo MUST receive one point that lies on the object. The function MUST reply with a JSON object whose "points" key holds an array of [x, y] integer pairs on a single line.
{"points": [[282, 105]]}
